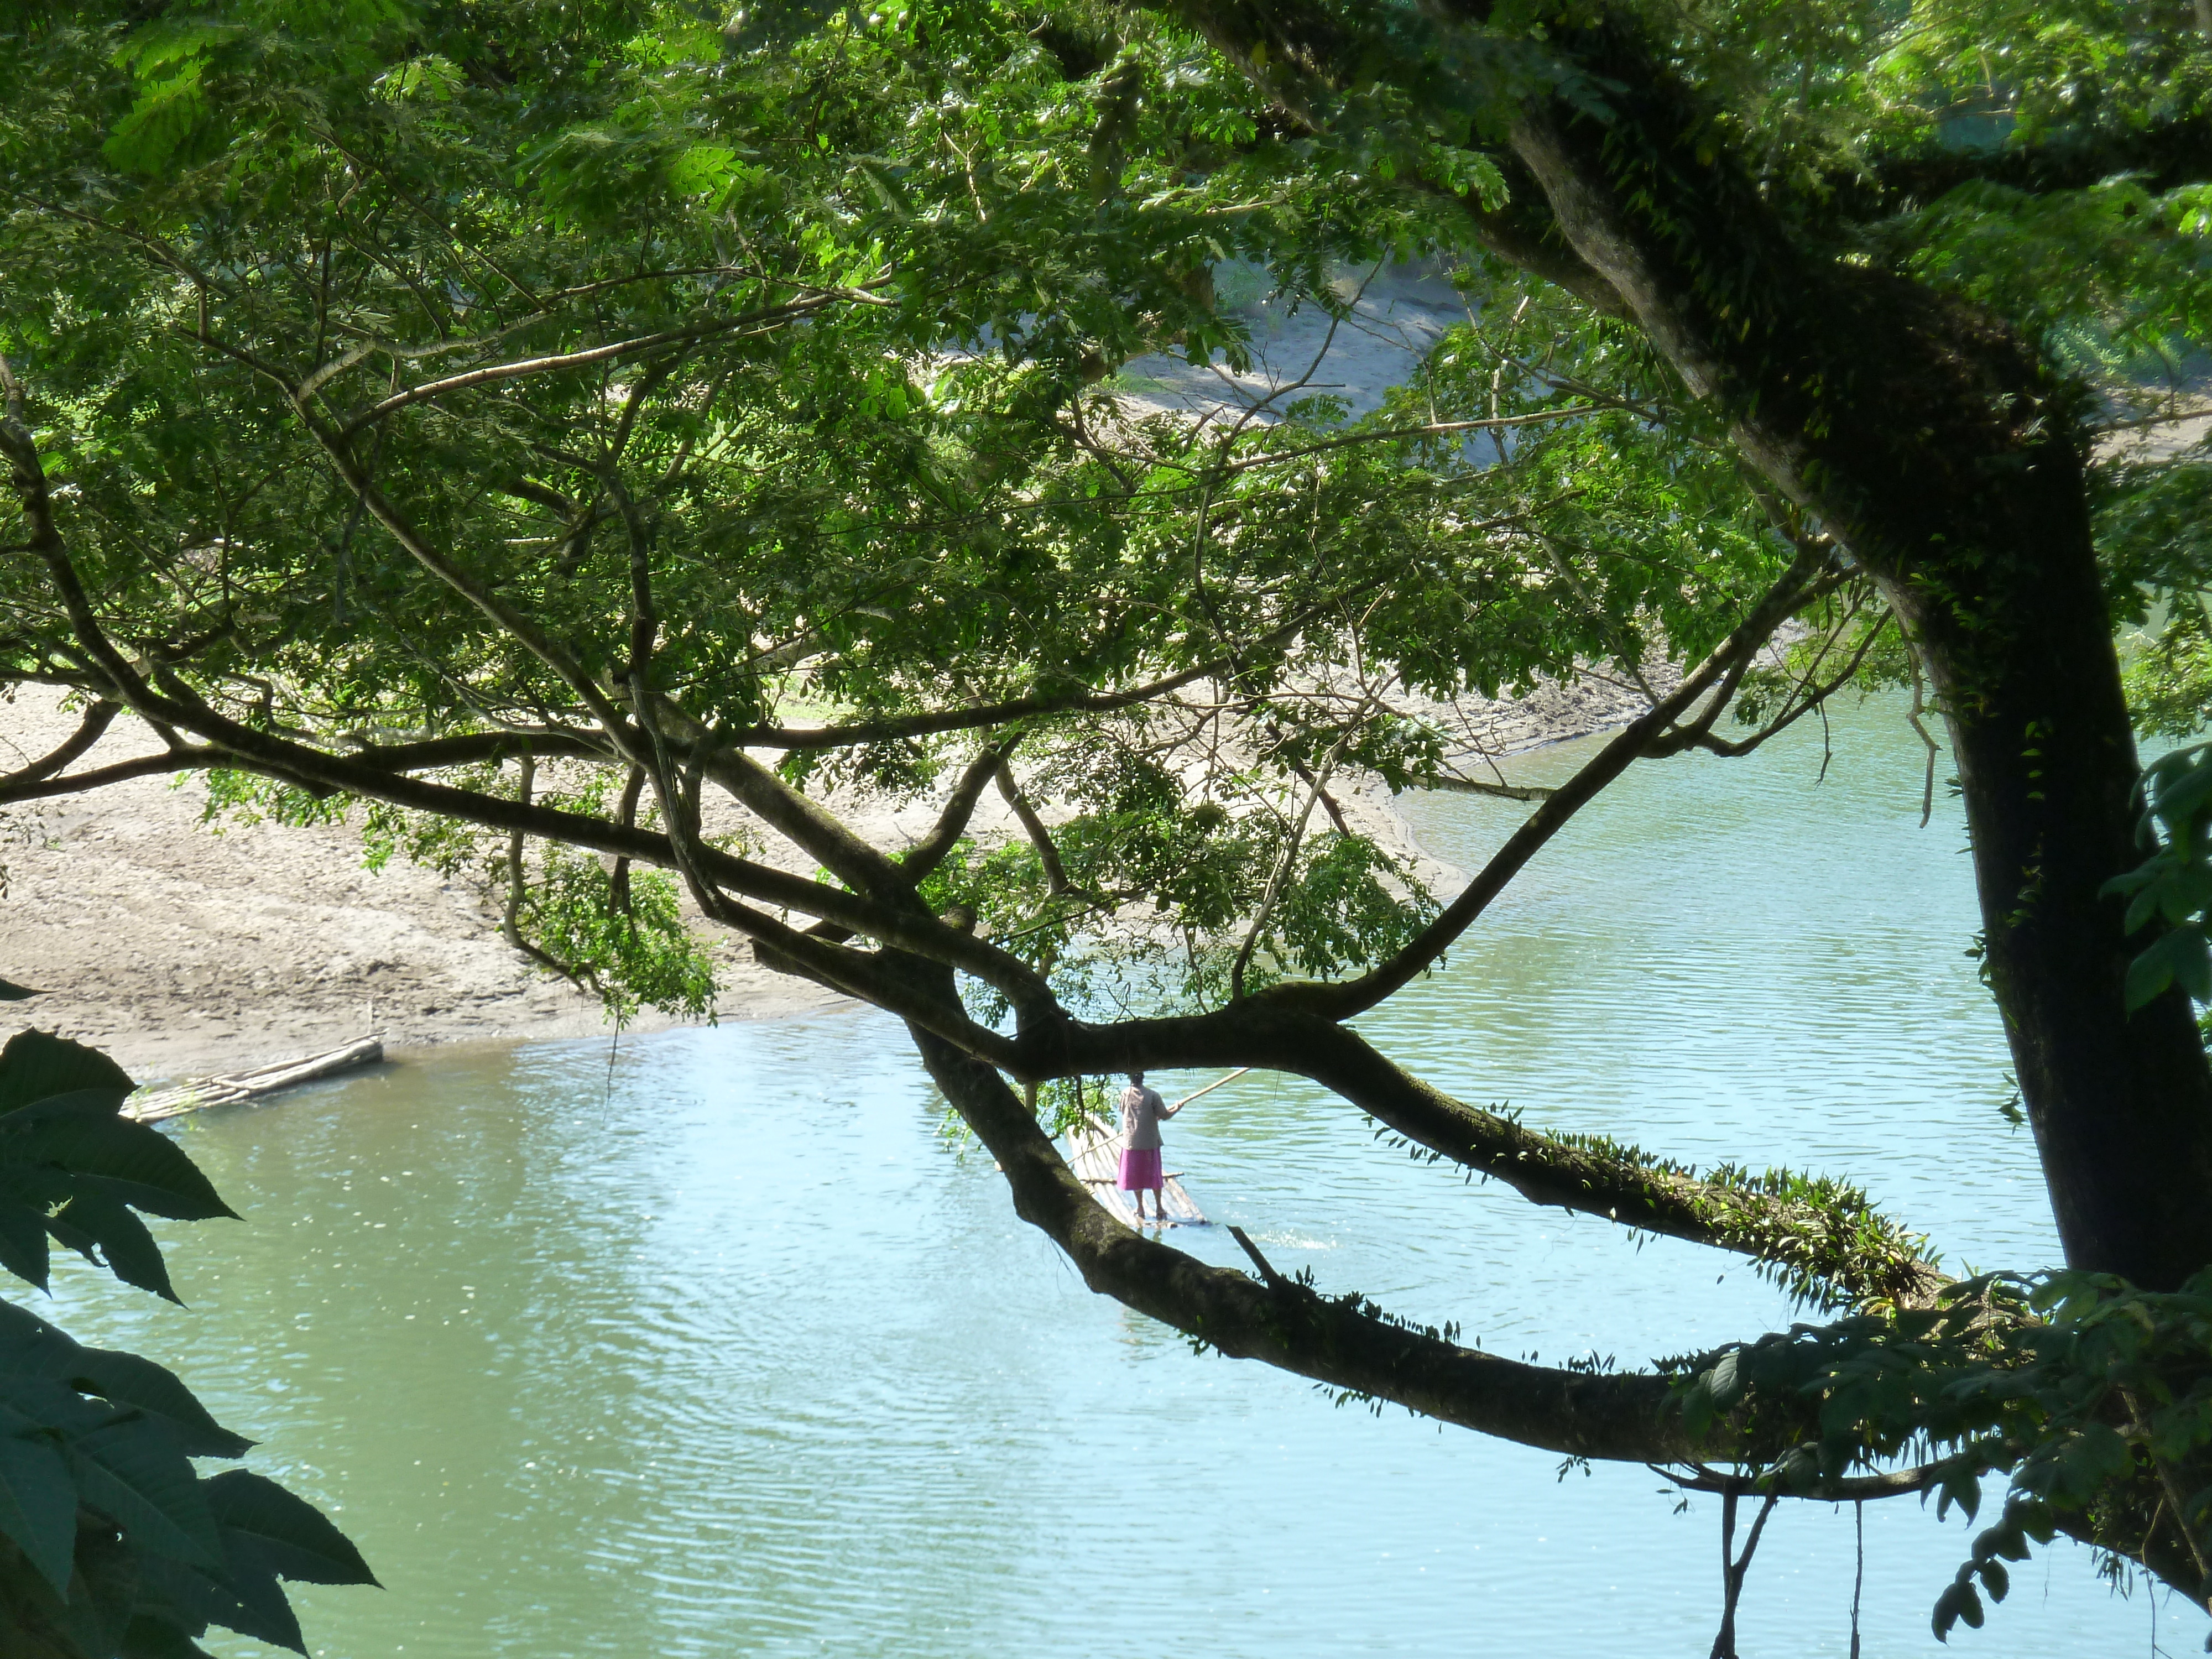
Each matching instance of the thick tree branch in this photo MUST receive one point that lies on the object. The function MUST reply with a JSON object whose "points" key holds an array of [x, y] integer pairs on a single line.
{"points": [[812, 827], [145, 766], [1338, 1341], [1847, 1489], [1824, 1238], [2161, 156], [474, 748]]}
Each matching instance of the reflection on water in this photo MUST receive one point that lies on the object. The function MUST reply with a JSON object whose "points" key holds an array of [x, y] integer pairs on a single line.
{"points": [[723, 1350]]}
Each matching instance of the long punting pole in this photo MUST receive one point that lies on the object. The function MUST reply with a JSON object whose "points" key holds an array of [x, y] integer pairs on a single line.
{"points": [[1211, 1087]]}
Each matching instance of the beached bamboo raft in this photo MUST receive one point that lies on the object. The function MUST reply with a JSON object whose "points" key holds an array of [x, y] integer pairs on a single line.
{"points": [[1094, 1152], [196, 1094]]}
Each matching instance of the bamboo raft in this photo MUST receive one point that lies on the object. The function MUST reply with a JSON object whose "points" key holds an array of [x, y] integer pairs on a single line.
{"points": [[196, 1094], [1094, 1152]]}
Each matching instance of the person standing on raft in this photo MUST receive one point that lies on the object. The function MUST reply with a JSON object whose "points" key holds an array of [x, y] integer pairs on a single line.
{"points": [[1142, 1109]]}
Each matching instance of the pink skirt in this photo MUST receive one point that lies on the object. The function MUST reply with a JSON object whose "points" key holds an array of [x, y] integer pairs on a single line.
{"points": [[1140, 1169]]}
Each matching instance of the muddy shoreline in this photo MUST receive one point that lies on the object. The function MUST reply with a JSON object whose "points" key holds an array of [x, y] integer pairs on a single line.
{"points": [[184, 947]]}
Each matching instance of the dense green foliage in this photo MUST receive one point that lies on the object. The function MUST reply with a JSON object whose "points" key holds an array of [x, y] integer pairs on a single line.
{"points": [[509, 422], [2064, 1383], [877, 371]]}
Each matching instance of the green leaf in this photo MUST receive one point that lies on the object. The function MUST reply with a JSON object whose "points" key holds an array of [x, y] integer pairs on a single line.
{"points": [[2193, 963], [37, 1064], [240, 1593], [31, 1347], [2182, 791], [37, 1507], [11, 992], [1962, 1487], [177, 1595], [1960, 1601], [2179, 956], [2094, 1455], [160, 126], [22, 1235], [130, 1469], [292, 1536], [135, 1163], [2142, 907], [151, 1638], [127, 1247], [248, 1599]]}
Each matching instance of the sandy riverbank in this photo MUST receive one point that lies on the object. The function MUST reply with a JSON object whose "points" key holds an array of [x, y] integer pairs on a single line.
{"points": [[182, 947]]}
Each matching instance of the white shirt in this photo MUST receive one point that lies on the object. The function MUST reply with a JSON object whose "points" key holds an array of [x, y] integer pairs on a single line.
{"points": [[1141, 1119]]}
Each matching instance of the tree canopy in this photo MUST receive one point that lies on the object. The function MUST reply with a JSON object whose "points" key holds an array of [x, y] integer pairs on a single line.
{"points": [[591, 440]]}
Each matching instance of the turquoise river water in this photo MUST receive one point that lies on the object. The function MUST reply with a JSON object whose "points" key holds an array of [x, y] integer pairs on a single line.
{"points": [[726, 1350]]}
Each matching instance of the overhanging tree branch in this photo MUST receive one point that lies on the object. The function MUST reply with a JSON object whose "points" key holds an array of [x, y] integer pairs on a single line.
{"points": [[2161, 156], [1040, 836], [1823, 1238], [13, 789], [892, 727], [246, 749], [1338, 1341], [1342, 1002]]}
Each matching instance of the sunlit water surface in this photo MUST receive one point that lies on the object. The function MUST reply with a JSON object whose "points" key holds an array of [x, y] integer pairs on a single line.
{"points": [[724, 1350]]}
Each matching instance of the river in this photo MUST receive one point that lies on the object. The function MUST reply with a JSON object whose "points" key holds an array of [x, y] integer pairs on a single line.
{"points": [[718, 1346]]}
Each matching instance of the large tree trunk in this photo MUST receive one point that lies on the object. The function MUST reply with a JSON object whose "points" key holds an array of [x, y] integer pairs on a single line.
{"points": [[1940, 450], [1946, 457], [2120, 1104]]}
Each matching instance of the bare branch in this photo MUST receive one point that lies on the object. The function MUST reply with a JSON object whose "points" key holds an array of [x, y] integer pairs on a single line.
{"points": [[1846, 1489], [510, 925], [1806, 697], [1293, 841], [891, 728], [1389, 434], [618, 897], [146, 766], [1454, 781]]}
